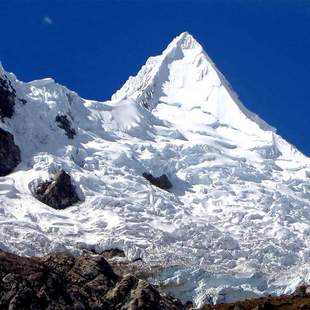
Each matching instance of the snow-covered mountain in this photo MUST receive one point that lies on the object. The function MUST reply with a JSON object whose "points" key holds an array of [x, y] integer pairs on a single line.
{"points": [[236, 222]]}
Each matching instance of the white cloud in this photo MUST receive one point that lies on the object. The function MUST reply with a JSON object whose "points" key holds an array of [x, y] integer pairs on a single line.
{"points": [[47, 20]]}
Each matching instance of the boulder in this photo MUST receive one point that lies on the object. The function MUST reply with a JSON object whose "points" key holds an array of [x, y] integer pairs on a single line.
{"points": [[9, 153], [58, 193], [161, 182]]}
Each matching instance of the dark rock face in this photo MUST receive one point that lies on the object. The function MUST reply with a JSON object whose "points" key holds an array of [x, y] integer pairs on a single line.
{"points": [[7, 98], [61, 281], [284, 302], [9, 153], [59, 193], [65, 124], [161, 182], [113, 253], [301, 291]]}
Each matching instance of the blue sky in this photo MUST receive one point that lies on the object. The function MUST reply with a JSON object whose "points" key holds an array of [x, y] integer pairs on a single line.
{"points": [[262, 47]]}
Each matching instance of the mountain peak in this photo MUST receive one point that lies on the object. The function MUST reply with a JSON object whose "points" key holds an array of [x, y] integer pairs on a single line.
{"points": [[237, 187], [184, 76], [184, 41]]}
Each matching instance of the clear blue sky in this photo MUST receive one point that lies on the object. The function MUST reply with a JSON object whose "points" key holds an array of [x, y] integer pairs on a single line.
{"points": [[262, 47]]}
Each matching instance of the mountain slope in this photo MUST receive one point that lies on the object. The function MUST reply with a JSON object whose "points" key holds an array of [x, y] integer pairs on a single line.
{"points": [[236, 222]]}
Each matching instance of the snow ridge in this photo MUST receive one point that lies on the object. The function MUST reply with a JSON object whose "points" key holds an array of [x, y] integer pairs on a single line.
{"points": [[236, 223]]}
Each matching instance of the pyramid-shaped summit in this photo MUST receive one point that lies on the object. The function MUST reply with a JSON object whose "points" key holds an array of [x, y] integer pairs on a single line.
{"points": [[185, 77]]}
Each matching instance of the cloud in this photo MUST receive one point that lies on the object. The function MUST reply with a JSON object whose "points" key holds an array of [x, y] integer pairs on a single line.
{"points": [[47, 20]]}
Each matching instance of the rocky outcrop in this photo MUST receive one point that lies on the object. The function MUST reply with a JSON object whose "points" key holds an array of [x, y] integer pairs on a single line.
{"points": [[113, 253], [161, 182], [58, 193], [285, 302], [61, 281], [7, 98], [9, 153], [64, 123]]}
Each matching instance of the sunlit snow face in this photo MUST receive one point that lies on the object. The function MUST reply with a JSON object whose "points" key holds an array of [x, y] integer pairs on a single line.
{"points": [[126, 115]]}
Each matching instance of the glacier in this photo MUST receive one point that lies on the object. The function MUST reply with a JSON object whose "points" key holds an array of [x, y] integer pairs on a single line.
{"points": [[236, 223]]}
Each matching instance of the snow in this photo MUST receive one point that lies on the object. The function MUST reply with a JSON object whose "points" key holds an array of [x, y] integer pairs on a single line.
{"points": [[236, 223]]}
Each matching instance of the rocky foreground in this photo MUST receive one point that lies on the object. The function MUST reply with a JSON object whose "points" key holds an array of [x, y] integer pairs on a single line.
{"points": [[62, 281]]}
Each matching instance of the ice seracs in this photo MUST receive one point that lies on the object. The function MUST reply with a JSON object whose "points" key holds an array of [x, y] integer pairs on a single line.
{"points": [[235, 223]]}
